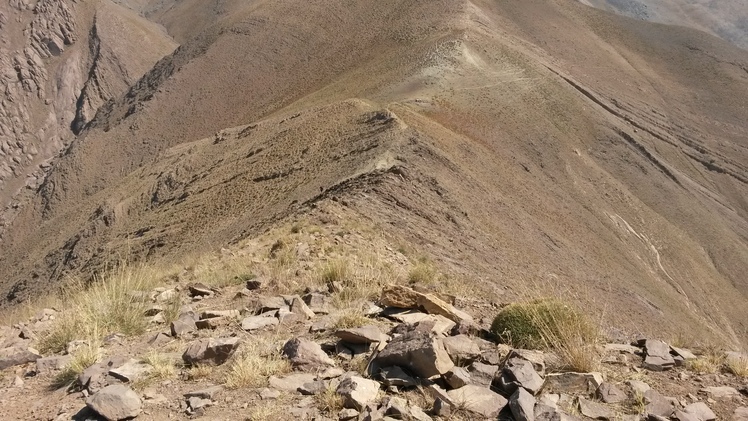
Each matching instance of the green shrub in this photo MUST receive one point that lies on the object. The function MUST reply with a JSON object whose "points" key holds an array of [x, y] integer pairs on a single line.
{"points": [[550, 324]]}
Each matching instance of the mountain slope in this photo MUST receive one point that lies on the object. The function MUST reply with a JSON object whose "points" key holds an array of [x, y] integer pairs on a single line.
{"points": [[606, 154], [60, 62]]}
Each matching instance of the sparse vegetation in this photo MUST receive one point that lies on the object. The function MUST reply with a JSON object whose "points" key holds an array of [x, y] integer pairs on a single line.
{"points": [[737, 365], [110, 304], [551, 324], [200, 371], [336, 271], [256, 362], [84, 357], [710, 361], [351, 318], [422, 273], [164, 367], [329, 401]]}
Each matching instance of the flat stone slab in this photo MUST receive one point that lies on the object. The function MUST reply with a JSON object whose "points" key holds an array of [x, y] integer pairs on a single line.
{"points": [[258, 322], [479, 400], [292, 382], [131, 371], [362, 335]]}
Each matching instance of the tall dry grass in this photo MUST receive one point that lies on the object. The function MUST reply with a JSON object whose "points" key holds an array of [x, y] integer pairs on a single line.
{"points": [[112, 303]]}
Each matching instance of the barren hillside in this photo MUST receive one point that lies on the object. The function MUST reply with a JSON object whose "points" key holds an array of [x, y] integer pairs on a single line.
{"points": [[513, 142], [725, 19]]}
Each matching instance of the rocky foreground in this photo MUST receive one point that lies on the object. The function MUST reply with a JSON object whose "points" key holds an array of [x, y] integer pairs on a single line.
{"points": [[411, 355]]}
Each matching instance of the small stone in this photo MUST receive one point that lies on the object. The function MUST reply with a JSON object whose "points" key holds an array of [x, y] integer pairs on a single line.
{"points": [[347, 414], [423, 355], [683, 416], [657, 404], [207, 393], [254, 284], [200, 290], [701, 411], [683, 353], [721, 392], [457, 377], [17, 355], [196, 403], [159, 339], [17, 382], [740, 414], [48, 365], [537, 358], [318, 303], [131, 371], [299, 307], [266, 304], [461, 349], [362, 335], [153, 310], [358, 392], [292, 382], [577, 383], [609, 393], [116, 402], [312, 388], [396, 376], [520, 373], [306, 355], [594, 410], [258, 322], [479, 400], [482, 374], [658, 356], [269, 394], [213, 351], [442, 408], [638, 387], [522, 404], [183, 325]]}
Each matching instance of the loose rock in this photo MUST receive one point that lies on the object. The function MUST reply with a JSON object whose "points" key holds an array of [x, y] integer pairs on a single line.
{"points": [[212, 351], [423, 355], [522, 404], [116, 402], [358, 392], [479, 400], [306, 355]]}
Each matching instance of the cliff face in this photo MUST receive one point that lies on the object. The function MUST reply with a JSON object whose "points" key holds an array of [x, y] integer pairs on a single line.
{"points": [[60, 61]]}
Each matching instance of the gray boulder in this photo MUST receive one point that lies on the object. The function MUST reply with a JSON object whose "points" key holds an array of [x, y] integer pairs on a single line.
{"points": [[658, 356], [522, 404], [357, 392], [477, 399], [306, 355], [115, 402], [211, 351], [422, 354]]}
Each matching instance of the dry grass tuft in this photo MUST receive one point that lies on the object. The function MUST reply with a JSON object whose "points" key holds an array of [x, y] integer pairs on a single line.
{"points": [[334, 272], [551, 324], [257, 361], [200, 371], [737, 365], [164, 367], [83, 358], [351, 318], [329, 401], [108, 305], [710, 361], [422, 273]]}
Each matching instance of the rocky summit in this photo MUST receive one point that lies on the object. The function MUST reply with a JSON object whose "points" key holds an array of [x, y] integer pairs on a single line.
{"points": [[370, 210]]}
